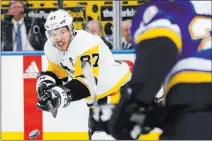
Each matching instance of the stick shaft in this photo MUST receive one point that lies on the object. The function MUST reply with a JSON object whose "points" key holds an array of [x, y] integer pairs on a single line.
{"points": [[87, 71]]}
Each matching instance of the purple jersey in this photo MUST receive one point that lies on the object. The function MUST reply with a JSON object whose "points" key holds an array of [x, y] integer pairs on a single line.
{"points": [[188, 25]]}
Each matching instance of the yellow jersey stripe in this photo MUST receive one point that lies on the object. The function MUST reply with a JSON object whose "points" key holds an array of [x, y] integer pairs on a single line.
{"points": [[161, 32], [56, 69], [113, 89]]}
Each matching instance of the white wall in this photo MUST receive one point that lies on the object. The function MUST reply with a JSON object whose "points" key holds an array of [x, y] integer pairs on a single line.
{"points": [[12, 93]]}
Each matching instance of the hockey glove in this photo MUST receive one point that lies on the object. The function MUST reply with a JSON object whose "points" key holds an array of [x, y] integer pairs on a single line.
{"points": [[59, 97], [45, 81]]}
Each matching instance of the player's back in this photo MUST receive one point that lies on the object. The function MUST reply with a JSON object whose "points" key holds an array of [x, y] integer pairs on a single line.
{"points": [[188, 25], [190, 21], [195, 27], [195, 56]]}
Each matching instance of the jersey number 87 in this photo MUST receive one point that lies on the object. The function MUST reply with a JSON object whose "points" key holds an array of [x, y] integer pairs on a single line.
{"points": [[93, 59]]}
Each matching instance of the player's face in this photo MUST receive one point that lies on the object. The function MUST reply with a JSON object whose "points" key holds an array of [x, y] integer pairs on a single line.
{"points": [[61, 37]]}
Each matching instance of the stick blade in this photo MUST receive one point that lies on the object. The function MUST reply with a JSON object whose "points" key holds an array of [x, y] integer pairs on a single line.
{"points": [[52, 109]]}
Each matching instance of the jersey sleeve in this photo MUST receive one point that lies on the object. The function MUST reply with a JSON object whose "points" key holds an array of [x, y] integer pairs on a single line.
{"points": [[152, 22]]}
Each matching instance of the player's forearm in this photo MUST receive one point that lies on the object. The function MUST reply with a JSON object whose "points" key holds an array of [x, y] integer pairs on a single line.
{"points": [[78, 89], [154, 59]]}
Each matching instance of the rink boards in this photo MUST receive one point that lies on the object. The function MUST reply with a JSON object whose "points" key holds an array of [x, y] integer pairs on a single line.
{"points": [[19, 114]]}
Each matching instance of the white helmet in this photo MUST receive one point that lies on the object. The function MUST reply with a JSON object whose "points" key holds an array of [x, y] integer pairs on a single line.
{"points": [[58, 19]]}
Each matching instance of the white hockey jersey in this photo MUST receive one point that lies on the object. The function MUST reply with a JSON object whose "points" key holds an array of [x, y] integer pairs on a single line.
{"points": [[110, 74]]}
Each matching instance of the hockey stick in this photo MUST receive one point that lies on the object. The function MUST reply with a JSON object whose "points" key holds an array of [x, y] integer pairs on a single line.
{"points": [[87, 71], [52, 109]]}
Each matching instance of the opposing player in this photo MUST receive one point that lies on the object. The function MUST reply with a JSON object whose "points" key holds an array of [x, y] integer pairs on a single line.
{"points": [[64, 82], [173, 43]]}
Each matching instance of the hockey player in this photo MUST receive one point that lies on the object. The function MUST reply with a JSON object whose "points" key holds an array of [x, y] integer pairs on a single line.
{"points": [[64, 81], [173, 43]]}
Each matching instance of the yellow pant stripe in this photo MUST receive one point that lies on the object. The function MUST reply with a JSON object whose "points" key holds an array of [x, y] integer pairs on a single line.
{"points": [[188, 77]]}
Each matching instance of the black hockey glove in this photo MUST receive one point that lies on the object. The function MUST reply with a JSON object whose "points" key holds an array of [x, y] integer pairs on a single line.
{"points": [[59, 97], [48, 96], [45, 81]]}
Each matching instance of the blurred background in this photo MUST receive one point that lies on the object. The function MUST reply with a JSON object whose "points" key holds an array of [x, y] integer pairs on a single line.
{"points": [[93, 16]]}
